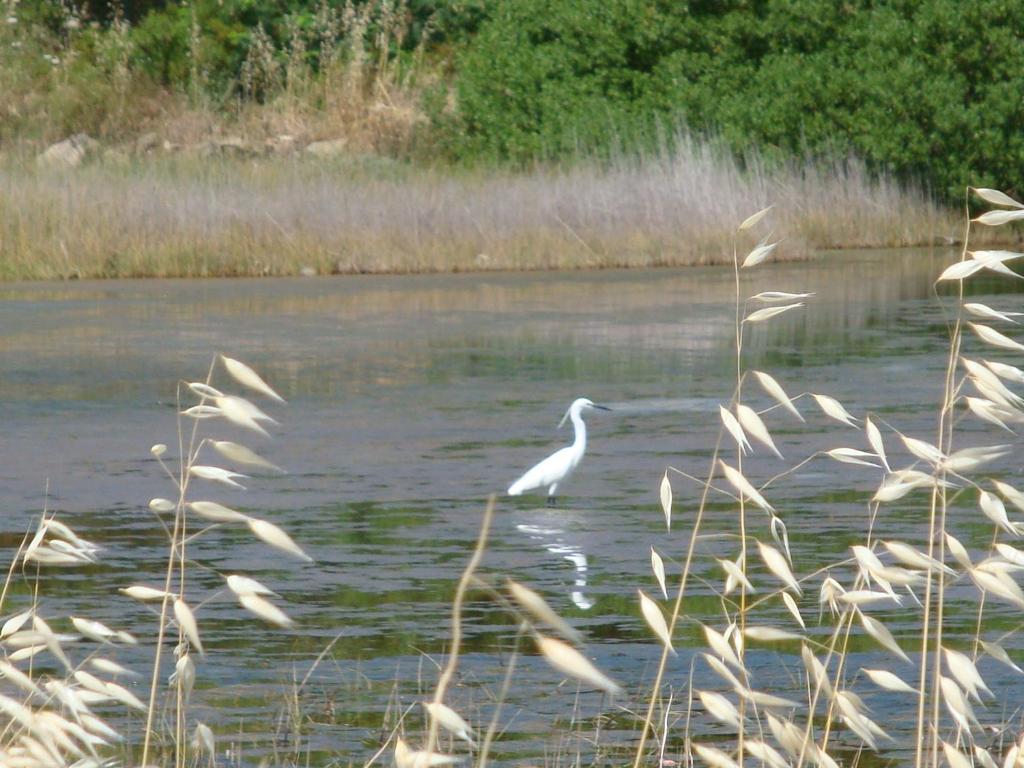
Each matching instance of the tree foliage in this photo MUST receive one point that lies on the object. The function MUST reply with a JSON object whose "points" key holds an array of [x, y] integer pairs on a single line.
{"points": [[929, 89]]}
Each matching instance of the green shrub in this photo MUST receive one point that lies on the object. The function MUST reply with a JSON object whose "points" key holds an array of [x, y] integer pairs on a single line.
{"points": [[545, 79], [69, 80], [178, 42], [929, 90]]}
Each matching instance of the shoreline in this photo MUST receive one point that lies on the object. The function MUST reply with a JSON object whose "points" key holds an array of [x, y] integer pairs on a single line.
{"points": [[835, 252], [309, 274]]}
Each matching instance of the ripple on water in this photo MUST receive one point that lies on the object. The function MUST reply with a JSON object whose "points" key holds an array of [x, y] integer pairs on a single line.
{"points": [[411, 399]]}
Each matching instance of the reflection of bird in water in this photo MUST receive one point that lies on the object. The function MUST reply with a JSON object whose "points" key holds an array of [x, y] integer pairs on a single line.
{"points": [[559, 465], [556, 545]]}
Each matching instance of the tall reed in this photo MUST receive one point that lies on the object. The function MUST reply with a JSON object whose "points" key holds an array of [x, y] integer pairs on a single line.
{"points": [[48, 708], [194, 518], [55, 681], [877, 570], [278, 216]]}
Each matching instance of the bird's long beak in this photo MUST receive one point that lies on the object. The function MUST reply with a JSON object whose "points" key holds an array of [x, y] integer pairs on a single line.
{"points": [[602, 407]]}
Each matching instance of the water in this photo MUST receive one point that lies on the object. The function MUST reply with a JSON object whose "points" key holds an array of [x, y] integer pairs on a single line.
{"points": [[413, 398]]}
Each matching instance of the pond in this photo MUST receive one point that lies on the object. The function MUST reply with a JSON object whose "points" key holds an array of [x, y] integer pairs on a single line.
{"points": [[410, 400]]}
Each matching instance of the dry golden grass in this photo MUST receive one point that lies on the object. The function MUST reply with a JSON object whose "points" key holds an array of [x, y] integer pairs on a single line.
{"points": [[291, 215]]}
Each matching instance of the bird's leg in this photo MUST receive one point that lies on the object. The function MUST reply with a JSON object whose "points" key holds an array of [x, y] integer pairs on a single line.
{"points": [[552, 502]]}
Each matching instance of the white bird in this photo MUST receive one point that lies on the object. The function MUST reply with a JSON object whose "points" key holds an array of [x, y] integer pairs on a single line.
{"points": [[559, 465]]}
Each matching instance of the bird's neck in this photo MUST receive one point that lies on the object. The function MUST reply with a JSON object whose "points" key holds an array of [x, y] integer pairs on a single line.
{"points": [[580, 442]]}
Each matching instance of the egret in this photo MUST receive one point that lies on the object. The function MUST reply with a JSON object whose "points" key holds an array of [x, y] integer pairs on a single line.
{"points": [[559, 465]]}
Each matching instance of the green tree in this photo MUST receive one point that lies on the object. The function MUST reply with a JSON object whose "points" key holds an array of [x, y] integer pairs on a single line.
{"points": [[928, 89]]}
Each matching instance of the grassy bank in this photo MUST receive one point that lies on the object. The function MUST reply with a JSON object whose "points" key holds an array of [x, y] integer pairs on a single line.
{"points": [[181, 216]]}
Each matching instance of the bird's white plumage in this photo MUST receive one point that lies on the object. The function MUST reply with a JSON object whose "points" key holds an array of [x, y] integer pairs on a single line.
{"points": [[548, 473], [559, 465]]}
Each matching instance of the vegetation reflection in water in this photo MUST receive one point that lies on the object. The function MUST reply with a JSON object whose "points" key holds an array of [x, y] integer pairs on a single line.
{"points": [[387, 559]]}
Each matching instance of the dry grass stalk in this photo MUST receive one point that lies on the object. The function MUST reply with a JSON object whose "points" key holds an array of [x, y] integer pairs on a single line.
{"points": [[453, 655], [251, 594], [946, 675], [182, 217], [49, 719]]}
